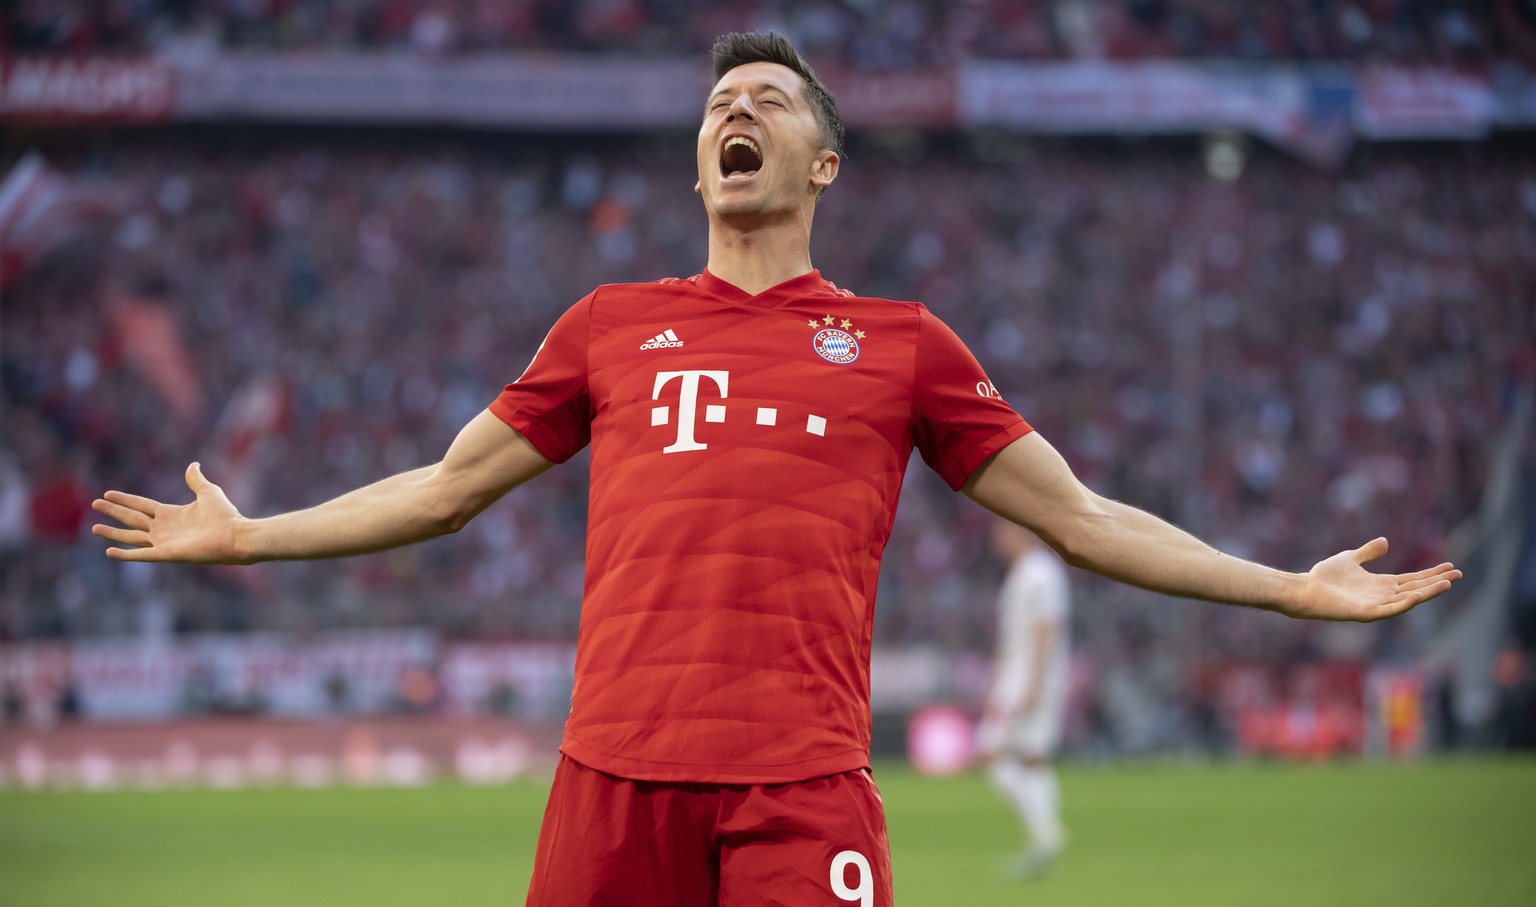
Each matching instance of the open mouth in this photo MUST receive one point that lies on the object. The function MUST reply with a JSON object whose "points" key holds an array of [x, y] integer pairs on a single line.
{"points": [[740, 158]]}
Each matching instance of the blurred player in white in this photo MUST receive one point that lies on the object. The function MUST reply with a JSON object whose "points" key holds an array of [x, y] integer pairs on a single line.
{"points": [[1027, 701]]}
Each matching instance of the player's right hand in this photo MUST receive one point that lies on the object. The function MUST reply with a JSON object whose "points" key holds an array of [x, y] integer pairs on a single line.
{"points": [[202, 532]]}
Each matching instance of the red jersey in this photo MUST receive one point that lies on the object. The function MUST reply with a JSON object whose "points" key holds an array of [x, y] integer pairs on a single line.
{"points": [[747, 454]]}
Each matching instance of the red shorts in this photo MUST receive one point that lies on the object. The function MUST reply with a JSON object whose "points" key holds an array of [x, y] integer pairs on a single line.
{"points": [[612, 841]]}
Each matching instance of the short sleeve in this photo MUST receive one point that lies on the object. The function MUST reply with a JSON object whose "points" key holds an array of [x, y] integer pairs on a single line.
{"points": [[551, 404], [959, 420]]}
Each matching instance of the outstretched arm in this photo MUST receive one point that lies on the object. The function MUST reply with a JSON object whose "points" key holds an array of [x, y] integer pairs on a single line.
{"points": [[487, 460], [1029, 483]]}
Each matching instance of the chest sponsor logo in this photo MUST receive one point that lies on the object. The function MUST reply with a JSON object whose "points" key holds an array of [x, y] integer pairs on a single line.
{"points": [[688, 405], [690, 385]]}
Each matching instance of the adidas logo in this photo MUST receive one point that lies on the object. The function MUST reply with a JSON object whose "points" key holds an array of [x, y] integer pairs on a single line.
{"points": [[663, 341]]}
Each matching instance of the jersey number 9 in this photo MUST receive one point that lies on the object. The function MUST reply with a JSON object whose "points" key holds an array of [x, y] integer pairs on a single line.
{"points": [[863, 890]]}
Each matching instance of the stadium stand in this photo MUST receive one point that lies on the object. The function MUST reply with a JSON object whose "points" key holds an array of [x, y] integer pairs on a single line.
{"points": [[864, 33], [1288, 359]]}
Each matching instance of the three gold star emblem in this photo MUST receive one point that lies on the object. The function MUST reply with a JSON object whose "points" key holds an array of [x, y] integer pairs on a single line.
{"points": [[845, 323]]}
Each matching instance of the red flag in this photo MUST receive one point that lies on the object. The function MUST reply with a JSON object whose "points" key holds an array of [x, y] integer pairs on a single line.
{"points": [[41, 209], [30, 192], [257, 411], [152, 345]]}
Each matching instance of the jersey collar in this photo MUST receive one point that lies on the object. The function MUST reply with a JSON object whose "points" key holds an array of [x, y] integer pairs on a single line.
{"points": [[810, 283]]}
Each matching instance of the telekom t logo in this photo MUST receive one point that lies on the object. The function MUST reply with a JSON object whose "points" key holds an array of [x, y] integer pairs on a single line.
{"points": [[688, 406]]}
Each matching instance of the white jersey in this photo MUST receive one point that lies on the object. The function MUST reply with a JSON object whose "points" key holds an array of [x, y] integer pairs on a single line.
{"points": [[1036, 590]]}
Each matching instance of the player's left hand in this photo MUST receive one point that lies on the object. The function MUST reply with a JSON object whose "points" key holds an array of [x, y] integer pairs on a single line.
{"points": [[1340, 588]]}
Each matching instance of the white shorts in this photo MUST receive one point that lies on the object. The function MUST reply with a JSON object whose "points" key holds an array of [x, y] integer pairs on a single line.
{"points": [[1036, 735]]}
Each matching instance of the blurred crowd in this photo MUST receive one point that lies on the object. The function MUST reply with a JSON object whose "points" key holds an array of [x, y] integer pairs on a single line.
{"points": [[862, 33], [1286, 362]]}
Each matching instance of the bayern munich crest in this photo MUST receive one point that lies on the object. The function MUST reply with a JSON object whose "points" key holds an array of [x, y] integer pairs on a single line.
{"points": [[836, 346]]}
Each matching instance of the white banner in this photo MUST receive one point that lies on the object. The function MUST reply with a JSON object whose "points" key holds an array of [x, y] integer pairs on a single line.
{"points": [[600, 93], [1168, 96], [591, 93], [529, 680], [131, 679], [1426, 103], [361, 672]]}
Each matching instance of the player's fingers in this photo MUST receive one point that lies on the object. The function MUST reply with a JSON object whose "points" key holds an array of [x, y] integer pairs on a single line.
{"points": [[145, 506], [1370, 551], [134, 519], [1440, 570], [134, 554], [1418, 584], [1397, 605], [1408, 599], [196, 480], [134, 537], [1432, 590]]}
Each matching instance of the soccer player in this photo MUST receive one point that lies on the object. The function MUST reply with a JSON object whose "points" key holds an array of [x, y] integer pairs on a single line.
{"points": [[749, 428], [1021, 724]]}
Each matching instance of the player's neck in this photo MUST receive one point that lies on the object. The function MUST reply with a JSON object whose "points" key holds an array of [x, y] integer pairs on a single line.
{"points": [[754, 259]]}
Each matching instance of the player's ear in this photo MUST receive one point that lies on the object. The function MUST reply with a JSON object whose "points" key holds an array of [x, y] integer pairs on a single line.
{"points": [[824, 169]]}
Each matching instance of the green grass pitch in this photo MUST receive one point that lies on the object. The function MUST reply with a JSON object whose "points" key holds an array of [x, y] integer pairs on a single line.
{"points": [[1445, 832]]}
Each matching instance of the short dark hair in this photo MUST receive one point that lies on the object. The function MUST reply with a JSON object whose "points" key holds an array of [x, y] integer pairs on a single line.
{"points": [[739, 49]]}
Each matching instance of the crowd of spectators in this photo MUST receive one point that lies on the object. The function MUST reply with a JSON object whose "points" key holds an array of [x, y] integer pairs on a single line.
{"points": [[1288, 363], [863, 33]]}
